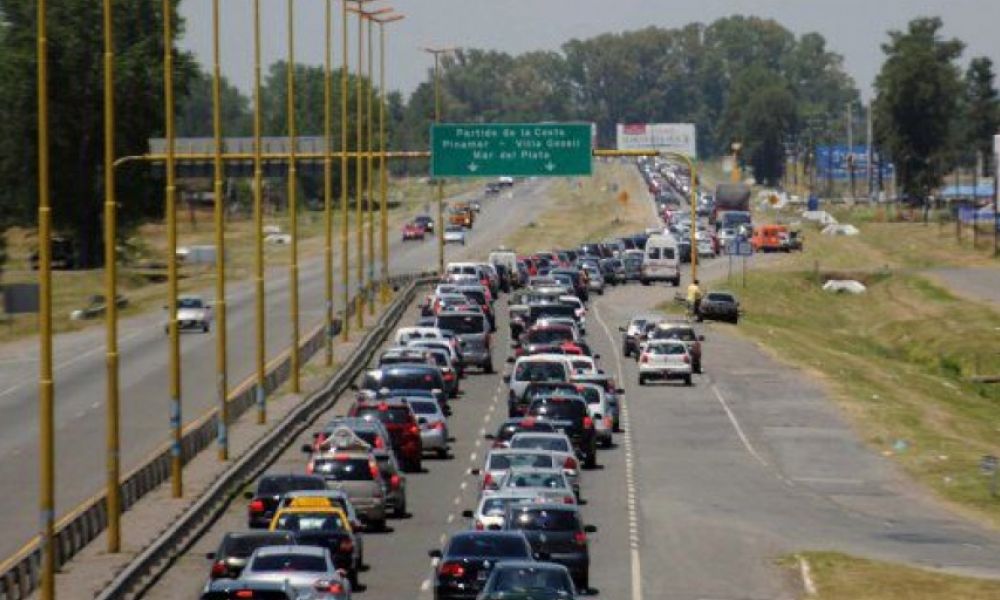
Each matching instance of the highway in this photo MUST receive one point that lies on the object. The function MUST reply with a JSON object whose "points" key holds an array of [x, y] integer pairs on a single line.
{"points": [[80, 371], [752, 463]]}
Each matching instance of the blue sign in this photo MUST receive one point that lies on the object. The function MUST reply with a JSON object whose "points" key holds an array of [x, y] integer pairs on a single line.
{"points": [[837, 162]]}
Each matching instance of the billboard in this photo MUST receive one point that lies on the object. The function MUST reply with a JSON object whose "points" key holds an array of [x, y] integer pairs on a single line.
{"points": [[832, 163], [665, 137]]}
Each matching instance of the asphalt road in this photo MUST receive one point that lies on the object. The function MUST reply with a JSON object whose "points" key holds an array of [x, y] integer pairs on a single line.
{"points": [[981, 283], [80, 371]]}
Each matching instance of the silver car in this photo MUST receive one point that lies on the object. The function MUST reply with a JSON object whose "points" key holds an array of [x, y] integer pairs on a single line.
{"points": [[559, 445], [433, 424], [501, 460], [490, 511], [193, 312], [549, 484], [308, 569], [473, 332]]}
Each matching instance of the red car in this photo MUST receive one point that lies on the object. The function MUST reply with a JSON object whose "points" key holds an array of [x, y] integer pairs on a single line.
{"points": [[413, 231], [401, 423]]}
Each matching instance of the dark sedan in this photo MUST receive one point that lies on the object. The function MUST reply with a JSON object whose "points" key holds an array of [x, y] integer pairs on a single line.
{"points": [[467, 560], [719, 306], [556, 532]]}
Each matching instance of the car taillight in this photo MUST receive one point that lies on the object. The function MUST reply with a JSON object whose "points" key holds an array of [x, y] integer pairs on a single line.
{"points": [[608, 422], [219, 569], [378, 442], [569, 500], [451, 569], [644, 358], [309, 468], [330, 587], [570, 463], [413, 429], [373, 469], [439, 425], [394, 481], [346, 545], [487, 481], [243, 594], [588, 422], [686, 359], [479, 525], [257, 506], [580, 538], [449, 376]]}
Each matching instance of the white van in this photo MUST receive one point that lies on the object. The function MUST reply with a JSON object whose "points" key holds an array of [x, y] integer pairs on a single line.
{"points": [[660, 260]]}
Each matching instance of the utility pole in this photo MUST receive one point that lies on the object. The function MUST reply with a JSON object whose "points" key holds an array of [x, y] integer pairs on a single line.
{"points": [[869, 175], [850, 146]]}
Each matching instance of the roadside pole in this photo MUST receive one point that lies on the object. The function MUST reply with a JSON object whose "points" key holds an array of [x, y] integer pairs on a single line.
{"points": [[293, 227], [345, 266], [359, 308], [369, 213], [327, 185], [220, 241], [260, 307]]}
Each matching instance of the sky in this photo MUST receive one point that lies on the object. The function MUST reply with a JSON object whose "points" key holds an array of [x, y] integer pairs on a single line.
{"points": [[853, 28]]}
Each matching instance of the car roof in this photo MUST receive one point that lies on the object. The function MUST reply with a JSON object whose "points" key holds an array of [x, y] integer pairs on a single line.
{"points": [[299, 550], [544, 434], [545, 506]]}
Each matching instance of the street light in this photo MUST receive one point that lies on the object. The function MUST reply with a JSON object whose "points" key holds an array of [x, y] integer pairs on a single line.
{"points": [[383, 173], [293, 227], [438, 52], [220, 240]]}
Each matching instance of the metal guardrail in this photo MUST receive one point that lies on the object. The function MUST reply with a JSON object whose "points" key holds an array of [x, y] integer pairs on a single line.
{"points": [[19, 575]]}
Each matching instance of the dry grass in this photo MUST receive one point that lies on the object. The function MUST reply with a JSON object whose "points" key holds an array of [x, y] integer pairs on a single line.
{"points": [[588, 209], [842, 577]]}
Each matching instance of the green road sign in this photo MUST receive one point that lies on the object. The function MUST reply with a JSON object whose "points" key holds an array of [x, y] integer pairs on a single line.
{"points": [[514, 149]]}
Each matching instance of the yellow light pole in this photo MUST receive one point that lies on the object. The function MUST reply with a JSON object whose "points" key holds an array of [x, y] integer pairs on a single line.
{"points": [[258, 223], [328, 182], [46, 424], [112, 460], [371, 169], [437, 52], [221, 379], [176, 463], [693, 201], [293, 227], [736, 175], [345, 272], [383, 172]]}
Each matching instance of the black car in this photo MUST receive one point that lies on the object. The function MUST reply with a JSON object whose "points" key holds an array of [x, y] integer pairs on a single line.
{"points": [[514, 425], [270, 488], [408, 377], [236, 547], [719, 306], [426, 221], [574, 275], [324, 530], [518, 407], [467, 560], [569, 413], [633, 267], [529, 580], [554, 531]]}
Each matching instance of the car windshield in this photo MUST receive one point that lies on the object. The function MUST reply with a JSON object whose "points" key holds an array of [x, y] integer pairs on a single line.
{"points": [[536, 480], [243, 546], [289, 562], [685, 334], [667, 349], [495, 507], [393, 415], [478, 296], [346, 469], [591, 394], [717, 297], [317, 521], [275, 486], [190, 303], [462, 324], [424, 408], [540, 371], [403, 380], [543, 519], [549, 335], [553, 582], [556, 444], [558, 408], [502, 462], [489, 545]]}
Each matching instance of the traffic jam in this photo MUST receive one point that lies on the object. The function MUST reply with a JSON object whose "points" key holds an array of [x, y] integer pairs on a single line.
{"points": [[527, 534]]}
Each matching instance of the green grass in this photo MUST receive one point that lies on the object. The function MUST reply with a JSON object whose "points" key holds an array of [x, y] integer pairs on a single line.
{"points": [[842, 577]]}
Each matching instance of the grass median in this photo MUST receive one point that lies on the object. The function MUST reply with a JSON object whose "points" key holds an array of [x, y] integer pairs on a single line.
{"points": [[899, 358], [842, 577]]}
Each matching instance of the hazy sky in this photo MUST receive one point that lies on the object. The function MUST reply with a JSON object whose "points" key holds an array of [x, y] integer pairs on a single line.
{"points": [[853, 28]]}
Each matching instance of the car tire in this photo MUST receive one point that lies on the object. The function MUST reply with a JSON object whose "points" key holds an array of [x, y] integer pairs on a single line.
{"points": [[441, 453], [677, 282], [400, 511], [687, 380], [584, 582], [205, 328], [590, 462], [697, 367], [642, 380], [378, 525], [488, 368], [644, 281]]}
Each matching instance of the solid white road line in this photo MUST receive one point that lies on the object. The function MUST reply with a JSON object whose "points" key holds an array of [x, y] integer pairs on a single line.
{"points": [[806, 572], [736, 426], [630, 490]]}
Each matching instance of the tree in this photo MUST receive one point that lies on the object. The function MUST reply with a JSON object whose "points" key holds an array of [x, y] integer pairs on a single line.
{"points": [[194, 110], [75, 113], [981, 114], [916, 103]]}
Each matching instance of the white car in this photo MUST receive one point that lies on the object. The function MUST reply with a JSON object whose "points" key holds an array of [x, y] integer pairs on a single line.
{"points": [[192, 313], [578, 306], [489, 514], [454, 235], [584, 365], [665, 359], [599, 409], [550, 484]]}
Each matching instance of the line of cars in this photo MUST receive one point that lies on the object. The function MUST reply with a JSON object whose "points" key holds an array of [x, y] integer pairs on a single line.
{"points": [[305, 535], [527, 535]]}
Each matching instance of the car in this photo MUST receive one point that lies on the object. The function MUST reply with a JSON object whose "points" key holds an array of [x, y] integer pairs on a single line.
{"points": [[465, 563], [399, 419], [237, 589], [550, 484], [323, 526], [632, 266], [490, 510], [595, 279], [538, 389], [600, 410], [351, 467], [633, 332], [535, 580], [433, 425], [555, 530], [236, 547], [473, 331], [407, 377], [413, 231], [333, 498], [665, 359], [541, 336], [425, 221], [308, 569], [193, 312], [660, 260], [454, 234], [270, 488], [500, 460], [570, 414], [405, 355], [612, 393], [681, 331], [534, 369], [450, 373], [510, 427], [719, 306], [446, 346]]}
